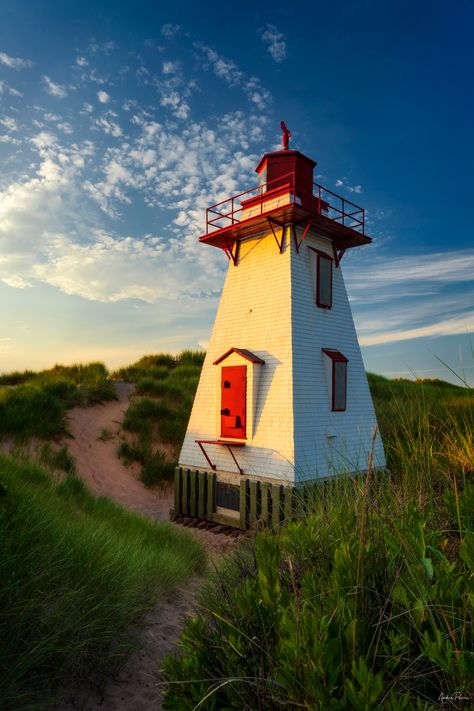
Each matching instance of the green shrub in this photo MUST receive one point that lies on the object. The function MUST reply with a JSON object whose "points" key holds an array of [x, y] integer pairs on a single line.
{"points": [[76, 571], [143, 414], [36, 406], [157, 467], [364, 603], [56, 459], [131, 453], [189, 357], [29, 411], [160, 388], [16, 377], [357, 606], [173, 428]]}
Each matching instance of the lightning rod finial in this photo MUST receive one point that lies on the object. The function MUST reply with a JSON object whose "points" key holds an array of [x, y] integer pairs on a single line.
{"points": [[285, 138]]}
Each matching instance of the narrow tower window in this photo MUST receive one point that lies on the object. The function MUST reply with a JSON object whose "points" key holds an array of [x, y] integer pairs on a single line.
{"points": [[323, 281], [338, 379]]}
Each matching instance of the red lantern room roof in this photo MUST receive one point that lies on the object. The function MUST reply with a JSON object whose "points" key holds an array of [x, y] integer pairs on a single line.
{"points": [[285, 194], [284, 153]]}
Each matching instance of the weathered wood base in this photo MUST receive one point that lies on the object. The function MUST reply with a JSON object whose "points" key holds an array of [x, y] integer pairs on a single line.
{"points": [[261, 503]]}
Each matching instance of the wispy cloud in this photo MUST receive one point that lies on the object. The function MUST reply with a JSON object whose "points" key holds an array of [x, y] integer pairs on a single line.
{"points": [[228, 71], [10, 123], [108, 126], [400, 298], [55, 215], [4, 87], [275, 42], [96, 47], [169, 30], [15, 62], [448, 327], [418, 270], [54, 89], [342, 182]]}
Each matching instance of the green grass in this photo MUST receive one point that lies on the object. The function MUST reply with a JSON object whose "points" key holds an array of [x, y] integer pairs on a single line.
{"points": [[76, 571], [159, 413], [367, 601], [34, 404]]}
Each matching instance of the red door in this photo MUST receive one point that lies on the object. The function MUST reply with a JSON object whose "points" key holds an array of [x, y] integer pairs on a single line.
{"points": [[233, 401]]}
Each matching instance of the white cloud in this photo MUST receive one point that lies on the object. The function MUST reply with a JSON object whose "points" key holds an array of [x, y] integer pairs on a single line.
{"points": [[227, 70], [66, 127], [53, 217], [425, 295], [103, 97], [9, 122], [8, 138], [81, 62], [96, 47], [342, 183], [16, 282], [169, 30], [448, 327], [11, 90], [174, 100], [223, 68], [109, 127], [418, 270], [170, 67], [53, 88], [275, 42], [14, 62]]}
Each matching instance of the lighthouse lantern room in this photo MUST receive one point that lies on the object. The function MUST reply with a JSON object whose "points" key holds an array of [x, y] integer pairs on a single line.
{"points": [[283, 398]]}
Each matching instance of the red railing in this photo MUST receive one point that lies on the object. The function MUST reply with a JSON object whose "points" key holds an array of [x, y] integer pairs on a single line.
{"points": [[336, 209], [229, 211]]}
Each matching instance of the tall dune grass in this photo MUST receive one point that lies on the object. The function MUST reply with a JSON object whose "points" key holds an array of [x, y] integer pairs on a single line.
{"points": [[158, 415], [34, 404], [75, 572], [367, 601]]}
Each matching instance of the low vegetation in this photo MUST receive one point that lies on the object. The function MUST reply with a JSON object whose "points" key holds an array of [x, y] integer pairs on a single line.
{"points": [[34, 404], [367, 601], [158, 414], [76, 571]]}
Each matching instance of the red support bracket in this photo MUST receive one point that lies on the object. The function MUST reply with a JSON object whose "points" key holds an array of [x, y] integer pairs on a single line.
{"points": [[232, 252], [338, 255], [305, 232], [221, 443], [279, 243]]}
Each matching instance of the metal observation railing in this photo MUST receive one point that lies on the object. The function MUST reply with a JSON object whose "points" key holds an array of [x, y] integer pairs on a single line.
{"points": [[267, 196]]}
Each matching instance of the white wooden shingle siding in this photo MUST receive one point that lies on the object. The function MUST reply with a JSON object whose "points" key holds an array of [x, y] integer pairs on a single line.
{"points": [[268, 307]]}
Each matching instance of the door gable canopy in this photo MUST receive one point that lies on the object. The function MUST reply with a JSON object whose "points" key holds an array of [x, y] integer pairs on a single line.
{"points": [[248, 355]]}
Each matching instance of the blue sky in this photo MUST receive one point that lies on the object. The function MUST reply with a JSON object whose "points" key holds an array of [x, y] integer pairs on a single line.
{"points": [[121, 122]]}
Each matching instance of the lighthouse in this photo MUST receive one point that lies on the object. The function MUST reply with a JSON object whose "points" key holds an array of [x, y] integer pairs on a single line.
{"points": [[283, 399]]}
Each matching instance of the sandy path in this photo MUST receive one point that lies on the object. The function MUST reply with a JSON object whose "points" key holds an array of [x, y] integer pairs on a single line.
{"points": [[137, 687], [98, 464]]}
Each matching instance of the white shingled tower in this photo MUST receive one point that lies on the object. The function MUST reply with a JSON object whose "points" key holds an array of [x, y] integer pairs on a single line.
{"points": [[283, 395]]}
